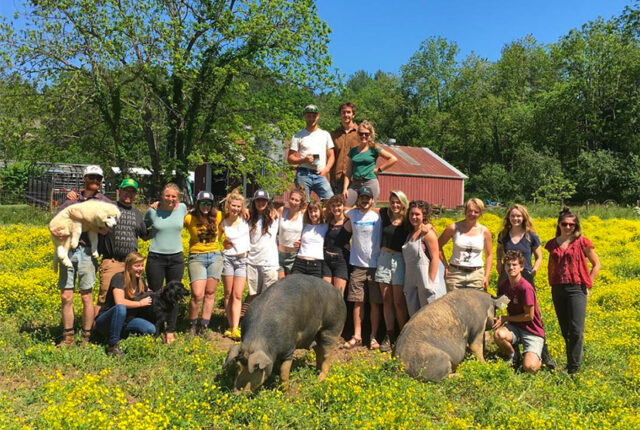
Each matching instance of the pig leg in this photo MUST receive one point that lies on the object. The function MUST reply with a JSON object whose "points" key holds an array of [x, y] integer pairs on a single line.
{"points": [[477, 346], [285, 368], [322, 361]]}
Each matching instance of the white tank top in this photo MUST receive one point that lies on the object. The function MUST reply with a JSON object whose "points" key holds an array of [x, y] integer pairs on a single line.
{"points": [[289, 230], [264, 248], [312, 241], [238, 235], [467, 250]]}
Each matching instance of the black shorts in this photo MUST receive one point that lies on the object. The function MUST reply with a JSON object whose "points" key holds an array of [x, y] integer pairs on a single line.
{"points": [[307, 267], [335, 266]]}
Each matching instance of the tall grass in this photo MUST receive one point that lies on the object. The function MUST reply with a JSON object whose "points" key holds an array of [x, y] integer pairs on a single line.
{"points": [[23, 214]]}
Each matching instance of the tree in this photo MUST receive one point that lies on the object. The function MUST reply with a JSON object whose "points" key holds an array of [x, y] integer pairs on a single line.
{"points": [[179, 70]]}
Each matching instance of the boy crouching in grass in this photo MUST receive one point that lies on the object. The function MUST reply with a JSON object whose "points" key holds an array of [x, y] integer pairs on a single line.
{"points": [[523, 321]]}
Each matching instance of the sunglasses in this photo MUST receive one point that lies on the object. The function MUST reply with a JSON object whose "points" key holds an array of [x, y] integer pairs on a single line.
{"points": [[94, 177], [567, 224], [206, 203], [364, 134]]}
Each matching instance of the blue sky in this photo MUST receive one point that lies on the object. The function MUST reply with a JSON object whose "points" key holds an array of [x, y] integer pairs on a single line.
{"points": [[376, 35]]}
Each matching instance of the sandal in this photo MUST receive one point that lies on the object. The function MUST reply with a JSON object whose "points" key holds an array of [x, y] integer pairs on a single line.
{"points": [[352, 343], [373, 344]]}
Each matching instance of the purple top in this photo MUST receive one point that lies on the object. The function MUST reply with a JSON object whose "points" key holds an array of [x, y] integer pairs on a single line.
{"points": [[522, 294]]}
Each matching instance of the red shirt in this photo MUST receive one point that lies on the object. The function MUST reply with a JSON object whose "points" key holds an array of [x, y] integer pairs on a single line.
{"points": [[569, 266], [520, 295]]}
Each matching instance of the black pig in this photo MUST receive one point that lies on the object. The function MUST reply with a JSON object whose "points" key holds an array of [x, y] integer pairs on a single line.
{"points": [[292, 313], [434, 341]]}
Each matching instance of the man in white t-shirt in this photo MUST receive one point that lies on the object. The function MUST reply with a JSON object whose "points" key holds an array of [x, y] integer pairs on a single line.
{"points": [[311, 151], [365, 225]]}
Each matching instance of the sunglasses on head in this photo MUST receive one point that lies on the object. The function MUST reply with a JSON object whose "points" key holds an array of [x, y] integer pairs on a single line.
{"points": [[567, 224], [206, 203]]}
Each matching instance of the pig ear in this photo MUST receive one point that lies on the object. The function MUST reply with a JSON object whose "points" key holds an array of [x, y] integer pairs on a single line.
{"points": [[258, 360], [232, 355], [501, 302]]}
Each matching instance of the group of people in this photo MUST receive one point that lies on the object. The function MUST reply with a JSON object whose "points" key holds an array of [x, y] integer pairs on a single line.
{"points": [[390, 257]]}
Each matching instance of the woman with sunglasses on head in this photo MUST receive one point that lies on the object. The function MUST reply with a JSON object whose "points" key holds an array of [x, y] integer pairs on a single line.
{"points": [[165, 262], [570, 281], [471, 240], [289, 230], [122, 313], [362, 170], [391, 268], [422, 281], [205, 260]]}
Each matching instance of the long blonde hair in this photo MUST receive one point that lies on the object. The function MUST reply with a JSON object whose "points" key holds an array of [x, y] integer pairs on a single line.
{"points": [[233, 195], [130, 287], [506, 224]]}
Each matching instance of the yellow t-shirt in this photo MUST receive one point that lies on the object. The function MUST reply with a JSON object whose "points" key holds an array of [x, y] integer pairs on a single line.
{"points": [[202, 240]]}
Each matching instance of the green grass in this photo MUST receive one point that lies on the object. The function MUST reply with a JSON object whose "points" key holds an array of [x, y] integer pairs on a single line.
{"points": [[24, 214]]}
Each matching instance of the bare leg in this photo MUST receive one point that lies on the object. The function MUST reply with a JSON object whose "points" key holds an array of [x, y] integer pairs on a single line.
{"points": [[503, 338], [375, 318], [228, 290], [400, 305], [236, 300], [387, 307], [67, 308], [531, 362], [209, 298], [88, 311], [358, 312], [197, 295]]}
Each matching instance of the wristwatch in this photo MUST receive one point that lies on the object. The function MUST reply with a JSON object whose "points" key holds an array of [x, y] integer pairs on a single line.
{"points": [[379, 169]]}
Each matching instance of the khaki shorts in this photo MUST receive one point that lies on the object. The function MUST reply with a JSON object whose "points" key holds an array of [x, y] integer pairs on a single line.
{"points": [[260, 278], [457, 278], [108, 268], [361, 278]]}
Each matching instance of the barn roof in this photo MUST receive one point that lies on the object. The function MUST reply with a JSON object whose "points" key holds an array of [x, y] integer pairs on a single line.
{"points": [[419, 161]]}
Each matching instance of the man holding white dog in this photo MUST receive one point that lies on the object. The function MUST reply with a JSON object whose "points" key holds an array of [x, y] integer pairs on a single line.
{"points": [[83, 265]]}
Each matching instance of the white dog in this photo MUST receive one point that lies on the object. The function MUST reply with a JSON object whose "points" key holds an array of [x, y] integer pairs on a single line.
{"points": [[67, 226]]}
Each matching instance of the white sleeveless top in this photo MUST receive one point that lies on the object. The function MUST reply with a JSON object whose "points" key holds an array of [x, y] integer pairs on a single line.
{"points": [[264, 248], [238, 235], [467, 250], [289, 230], [312, 241]]}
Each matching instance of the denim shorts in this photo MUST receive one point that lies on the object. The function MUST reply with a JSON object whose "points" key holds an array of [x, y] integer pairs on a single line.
{"points": [[205, 266], [286, 259], [529, 341], [235, 265], [84, 268], [390, 268]]}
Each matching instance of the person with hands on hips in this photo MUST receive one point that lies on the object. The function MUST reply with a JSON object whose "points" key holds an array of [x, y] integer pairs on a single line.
{"points": [[465, 268]]}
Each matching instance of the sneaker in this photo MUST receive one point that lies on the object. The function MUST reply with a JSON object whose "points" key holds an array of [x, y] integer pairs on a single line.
{"points": [[547, 361], [236, 334], [385, 346], [193, 329]]}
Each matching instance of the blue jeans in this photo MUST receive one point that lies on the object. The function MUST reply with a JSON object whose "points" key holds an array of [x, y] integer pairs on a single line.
{"points": [[204, 266], [111, 323], [311, 181]]}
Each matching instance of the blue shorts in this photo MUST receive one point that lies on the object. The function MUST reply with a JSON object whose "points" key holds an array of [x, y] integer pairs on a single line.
{"points": [[235, 265], [530, 342], [205, 266], [84, 268]]}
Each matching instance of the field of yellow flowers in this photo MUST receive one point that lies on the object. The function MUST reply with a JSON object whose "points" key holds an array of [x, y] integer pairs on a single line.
{"points": [[185, 386]]}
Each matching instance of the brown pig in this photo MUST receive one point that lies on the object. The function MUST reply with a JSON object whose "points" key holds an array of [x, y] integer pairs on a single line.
{"points": [[434, 341]]}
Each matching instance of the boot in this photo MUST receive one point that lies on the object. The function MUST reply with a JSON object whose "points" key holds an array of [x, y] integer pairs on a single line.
{"points": [[67, 338], [114, 350], [385, 346], [193, 329], [547, 361]]}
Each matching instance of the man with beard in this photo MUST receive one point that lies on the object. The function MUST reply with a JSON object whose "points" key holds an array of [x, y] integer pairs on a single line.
{"points": [[84, 265], [311, 151]]}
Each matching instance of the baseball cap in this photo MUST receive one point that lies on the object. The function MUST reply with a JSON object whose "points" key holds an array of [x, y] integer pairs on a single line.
{"points": [[261, 194], [365, 191], [128, 182], [93, 170], [204, 195], [310, 108]]}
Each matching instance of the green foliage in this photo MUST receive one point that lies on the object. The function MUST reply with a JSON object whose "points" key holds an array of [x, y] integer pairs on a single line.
{"points": [[555, 190], [14, 181]]}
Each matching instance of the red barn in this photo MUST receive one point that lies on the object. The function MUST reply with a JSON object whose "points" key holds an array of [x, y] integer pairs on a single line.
{"points": [[422, 175]]}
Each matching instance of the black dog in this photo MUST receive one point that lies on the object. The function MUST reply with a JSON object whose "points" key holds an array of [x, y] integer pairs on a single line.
{"points": [[164, 304]]}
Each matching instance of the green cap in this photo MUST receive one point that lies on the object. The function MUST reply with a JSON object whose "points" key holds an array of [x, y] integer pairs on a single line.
{"points": [[128, 182]]}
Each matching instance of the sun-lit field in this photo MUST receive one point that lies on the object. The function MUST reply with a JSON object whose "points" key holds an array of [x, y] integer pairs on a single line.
{"points": [[185, 386]]}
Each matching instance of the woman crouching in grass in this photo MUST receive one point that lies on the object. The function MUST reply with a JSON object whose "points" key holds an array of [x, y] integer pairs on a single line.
{"points": [[119, 314]]}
